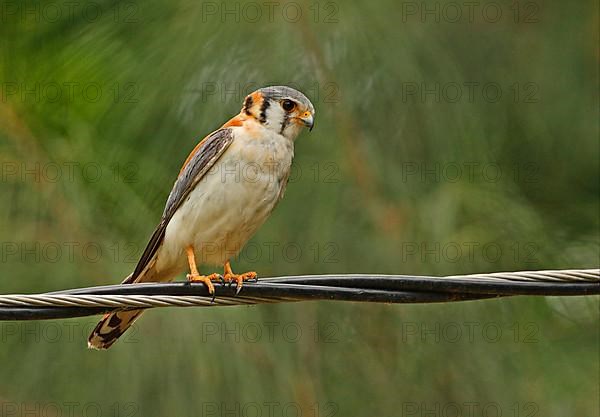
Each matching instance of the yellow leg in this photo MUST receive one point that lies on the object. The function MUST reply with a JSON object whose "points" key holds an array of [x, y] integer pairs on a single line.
{"points": [[194, 276], [239, 279]]}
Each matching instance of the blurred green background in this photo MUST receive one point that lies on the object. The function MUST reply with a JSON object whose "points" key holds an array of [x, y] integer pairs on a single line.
{"points": [[449, 139]]}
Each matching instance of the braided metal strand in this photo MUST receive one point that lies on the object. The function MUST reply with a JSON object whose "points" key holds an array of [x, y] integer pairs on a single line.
{"points": [[352, 287]]}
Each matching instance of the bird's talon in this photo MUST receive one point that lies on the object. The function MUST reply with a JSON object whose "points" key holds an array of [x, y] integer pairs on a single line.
{"points": [[239, 279], [206, 280]]}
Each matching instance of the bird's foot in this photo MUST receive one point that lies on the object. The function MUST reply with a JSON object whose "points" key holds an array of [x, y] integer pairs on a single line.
{"points": [[239, 279], [206, 280]]}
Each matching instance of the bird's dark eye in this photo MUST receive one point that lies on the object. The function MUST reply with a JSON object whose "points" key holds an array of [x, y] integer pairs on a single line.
{"points": [[288, 105]]}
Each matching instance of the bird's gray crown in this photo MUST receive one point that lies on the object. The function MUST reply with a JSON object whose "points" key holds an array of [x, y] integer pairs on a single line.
{"points": [[280, 92]]}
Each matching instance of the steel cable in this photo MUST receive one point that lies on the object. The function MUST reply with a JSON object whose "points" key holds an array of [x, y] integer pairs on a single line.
{"points": [[350, 287]]}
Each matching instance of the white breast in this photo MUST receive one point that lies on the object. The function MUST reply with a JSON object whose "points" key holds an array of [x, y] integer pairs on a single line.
{"points": [[230, 203]]}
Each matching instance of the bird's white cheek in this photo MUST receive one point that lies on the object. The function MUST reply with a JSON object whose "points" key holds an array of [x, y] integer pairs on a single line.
{"points": [[293, 130], [275, 117]]}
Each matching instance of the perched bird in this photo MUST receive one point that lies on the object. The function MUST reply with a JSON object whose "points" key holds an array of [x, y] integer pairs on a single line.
{"points": [[225, 190]]}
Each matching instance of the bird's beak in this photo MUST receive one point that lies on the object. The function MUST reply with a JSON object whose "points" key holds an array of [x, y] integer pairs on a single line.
{"points": [[308, 120]]}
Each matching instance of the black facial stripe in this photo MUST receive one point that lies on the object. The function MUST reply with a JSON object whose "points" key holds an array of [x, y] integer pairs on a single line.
{"points": [[284, 123], [248, 104], [263, 110]]}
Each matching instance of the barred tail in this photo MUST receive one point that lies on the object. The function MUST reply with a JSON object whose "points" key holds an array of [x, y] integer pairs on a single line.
{"points": [[111, 327]]}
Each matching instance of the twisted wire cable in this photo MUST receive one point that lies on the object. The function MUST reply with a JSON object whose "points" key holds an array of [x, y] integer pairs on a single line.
{"points": [[348, 287]]}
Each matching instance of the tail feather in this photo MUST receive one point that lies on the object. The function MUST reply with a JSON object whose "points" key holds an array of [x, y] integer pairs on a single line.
{"points": [[111, 327]]}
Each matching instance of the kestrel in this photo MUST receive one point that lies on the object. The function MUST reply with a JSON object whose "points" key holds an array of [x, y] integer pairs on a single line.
{"points": [[225, 190]]}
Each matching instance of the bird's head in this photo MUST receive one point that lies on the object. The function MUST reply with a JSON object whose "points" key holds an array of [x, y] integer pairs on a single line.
{"points": [[281, 109]]}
